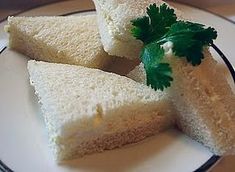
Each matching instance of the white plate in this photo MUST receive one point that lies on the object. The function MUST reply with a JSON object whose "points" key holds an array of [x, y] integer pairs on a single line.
{"points": [[23, 138]]}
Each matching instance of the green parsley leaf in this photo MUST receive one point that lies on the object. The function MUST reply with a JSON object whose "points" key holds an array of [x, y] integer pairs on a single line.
{"points": [[141, 30], [161, 26], [158, 73], [159, 77], [189, 39], [152, 54], [161, 19], [153, 26]]}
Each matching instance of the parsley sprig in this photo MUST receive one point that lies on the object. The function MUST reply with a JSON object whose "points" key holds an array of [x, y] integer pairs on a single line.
{"points": [[161, 26]]}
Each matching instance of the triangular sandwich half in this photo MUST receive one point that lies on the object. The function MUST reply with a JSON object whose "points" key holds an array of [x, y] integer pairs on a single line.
{"points": [[88, 110], [61, 39], [204, 100]]}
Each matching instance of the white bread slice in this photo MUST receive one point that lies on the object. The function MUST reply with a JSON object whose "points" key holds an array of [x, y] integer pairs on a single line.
{"points": [[88, 110], [114, 18], [204, 101], [71, 39]]}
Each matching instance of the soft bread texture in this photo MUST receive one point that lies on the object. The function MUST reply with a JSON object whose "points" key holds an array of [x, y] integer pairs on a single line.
{"points": [[114, 18], [204, 101], [88, 110], [71, 39]]}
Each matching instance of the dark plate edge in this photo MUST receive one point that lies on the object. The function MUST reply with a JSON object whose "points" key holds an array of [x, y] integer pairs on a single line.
{"points": [[214, 158], [202, 9], [4, 167], [208, 164], [183, 3]]}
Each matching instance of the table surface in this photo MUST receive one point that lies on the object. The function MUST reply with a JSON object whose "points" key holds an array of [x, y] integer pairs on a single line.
{"points": [[224, 8]]}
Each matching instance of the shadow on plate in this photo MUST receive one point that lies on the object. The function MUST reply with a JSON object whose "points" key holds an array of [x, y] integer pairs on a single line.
{"points": [[121, 66]]}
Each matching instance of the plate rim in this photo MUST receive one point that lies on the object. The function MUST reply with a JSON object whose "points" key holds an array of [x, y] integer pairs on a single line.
{"points": [[214, 158], [183, 3]]}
